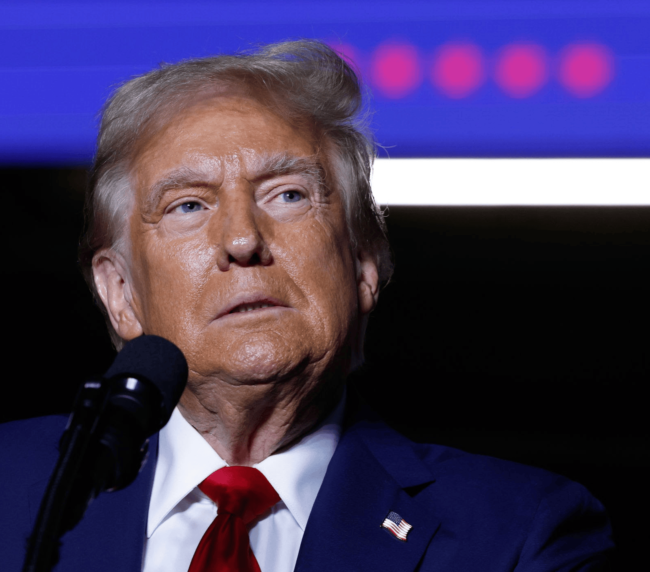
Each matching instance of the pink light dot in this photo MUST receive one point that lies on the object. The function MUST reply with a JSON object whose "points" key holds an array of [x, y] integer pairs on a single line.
{"points": [[458, 70], [395, 70], [586, 69], [521, 70]]}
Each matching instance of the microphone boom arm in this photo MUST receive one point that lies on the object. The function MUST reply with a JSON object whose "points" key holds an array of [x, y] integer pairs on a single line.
{"points": [[57, 514], [105, 443]]}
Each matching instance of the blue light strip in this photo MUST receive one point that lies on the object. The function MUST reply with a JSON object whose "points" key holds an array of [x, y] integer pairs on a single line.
{"points": [[59, 62]]}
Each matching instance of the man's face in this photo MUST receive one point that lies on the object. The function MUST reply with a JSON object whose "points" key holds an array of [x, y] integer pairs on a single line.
{"points": [[239, 255]]}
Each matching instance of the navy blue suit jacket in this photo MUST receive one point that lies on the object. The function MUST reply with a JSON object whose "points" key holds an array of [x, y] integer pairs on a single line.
{"points": [[469, 513]]}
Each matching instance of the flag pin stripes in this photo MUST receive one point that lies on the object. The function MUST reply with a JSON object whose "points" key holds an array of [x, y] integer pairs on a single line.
{"points": [[397, 526]]}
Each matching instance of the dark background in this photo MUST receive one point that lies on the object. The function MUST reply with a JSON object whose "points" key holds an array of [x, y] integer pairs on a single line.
{"points": [[517, 332]]}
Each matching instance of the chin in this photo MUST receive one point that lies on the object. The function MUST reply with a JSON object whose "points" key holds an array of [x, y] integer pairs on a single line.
{"points": [[258, 359]]}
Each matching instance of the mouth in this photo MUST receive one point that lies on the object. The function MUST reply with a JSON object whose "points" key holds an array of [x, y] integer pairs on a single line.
{"points": [[251, 307], [250, 303]]}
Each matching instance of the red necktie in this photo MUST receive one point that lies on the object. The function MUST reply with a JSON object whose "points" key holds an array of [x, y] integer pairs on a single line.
{"points": [[242, 494]]}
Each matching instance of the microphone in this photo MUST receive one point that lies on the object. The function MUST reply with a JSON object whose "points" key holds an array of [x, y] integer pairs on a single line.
{"points": [[104, 445], [143, 385]]}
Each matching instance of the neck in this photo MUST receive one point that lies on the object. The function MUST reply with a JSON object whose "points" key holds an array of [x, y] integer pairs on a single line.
{"points": [[245, 424]]}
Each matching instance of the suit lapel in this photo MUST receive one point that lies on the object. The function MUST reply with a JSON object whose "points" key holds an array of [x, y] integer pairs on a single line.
{"points": [[111, 535], [372, 472]]}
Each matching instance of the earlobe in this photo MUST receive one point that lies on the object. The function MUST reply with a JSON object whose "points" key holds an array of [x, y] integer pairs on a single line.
{"points": [[113, 286], [367, 283]]}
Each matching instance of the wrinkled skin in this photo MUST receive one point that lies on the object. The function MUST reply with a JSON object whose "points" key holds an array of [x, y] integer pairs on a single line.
{"points": [[236, 230]]}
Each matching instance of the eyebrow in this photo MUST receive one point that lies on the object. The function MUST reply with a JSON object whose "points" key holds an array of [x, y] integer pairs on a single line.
{"points": [[266, 166], [181, 178], [273, 165]]}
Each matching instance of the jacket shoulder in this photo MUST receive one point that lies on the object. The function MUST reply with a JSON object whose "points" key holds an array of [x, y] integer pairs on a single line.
{"points": [[29, 449], [474, 470], [551, 519], [34, 428], [485, 480]]}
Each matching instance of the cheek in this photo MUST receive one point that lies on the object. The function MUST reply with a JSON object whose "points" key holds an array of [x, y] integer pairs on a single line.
{"points": [[173, 277], [319, 261]]}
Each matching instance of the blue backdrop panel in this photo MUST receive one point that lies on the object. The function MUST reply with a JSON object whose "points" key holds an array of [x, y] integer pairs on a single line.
{"points": [[520, 78]]}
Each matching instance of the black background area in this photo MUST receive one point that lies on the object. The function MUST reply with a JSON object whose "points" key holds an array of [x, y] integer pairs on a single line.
{"points": [[520, 333]]}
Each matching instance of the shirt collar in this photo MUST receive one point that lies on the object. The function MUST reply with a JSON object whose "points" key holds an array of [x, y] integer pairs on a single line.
{"points": [[185, 459], [298, 473]]}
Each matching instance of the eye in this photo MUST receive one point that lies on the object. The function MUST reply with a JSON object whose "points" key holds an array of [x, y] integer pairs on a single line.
{"points": [[291, 196], [189, 207]]}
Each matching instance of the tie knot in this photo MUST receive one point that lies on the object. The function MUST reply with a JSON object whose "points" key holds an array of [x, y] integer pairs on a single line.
{"points": [[241, 491]]}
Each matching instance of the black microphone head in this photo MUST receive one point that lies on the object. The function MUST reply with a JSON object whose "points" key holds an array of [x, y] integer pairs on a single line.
{"points": [[157, 360]]}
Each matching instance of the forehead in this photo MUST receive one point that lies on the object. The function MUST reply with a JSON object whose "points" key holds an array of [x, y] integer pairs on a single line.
{"points": [[225, 132]]}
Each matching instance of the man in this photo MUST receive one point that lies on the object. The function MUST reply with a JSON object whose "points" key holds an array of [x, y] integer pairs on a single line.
{"points": [[230, 212]]}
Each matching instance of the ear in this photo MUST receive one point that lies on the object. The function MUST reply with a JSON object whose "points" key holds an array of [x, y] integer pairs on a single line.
{"points": [[113, 284], [367, 282]]}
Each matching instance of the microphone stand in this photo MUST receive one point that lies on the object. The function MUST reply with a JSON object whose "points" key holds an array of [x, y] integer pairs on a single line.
{"points": [[64, 503], [103, 448], [105, 443]]}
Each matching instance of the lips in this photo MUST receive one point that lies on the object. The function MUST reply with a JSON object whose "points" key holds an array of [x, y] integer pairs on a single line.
{"points": [[244, 303], [251, 307]]}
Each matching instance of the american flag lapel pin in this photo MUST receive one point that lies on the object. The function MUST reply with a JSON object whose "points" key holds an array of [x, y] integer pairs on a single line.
{"points": [[397, 526]]}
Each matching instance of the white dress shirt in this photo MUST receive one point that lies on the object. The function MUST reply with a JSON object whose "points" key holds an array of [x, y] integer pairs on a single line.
{"points": [[179, 513]]}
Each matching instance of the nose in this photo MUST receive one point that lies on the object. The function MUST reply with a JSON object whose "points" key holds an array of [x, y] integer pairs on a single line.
{"points": [[240, 241]]}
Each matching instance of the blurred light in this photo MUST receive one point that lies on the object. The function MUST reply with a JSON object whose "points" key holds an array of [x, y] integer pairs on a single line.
{"points": [[521, 69], [511, 182], [395, 70], [458, 70], [586, 69]]}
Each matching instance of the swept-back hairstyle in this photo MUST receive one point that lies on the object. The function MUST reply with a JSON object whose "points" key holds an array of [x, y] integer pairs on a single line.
{"points": [[306, 82]]}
